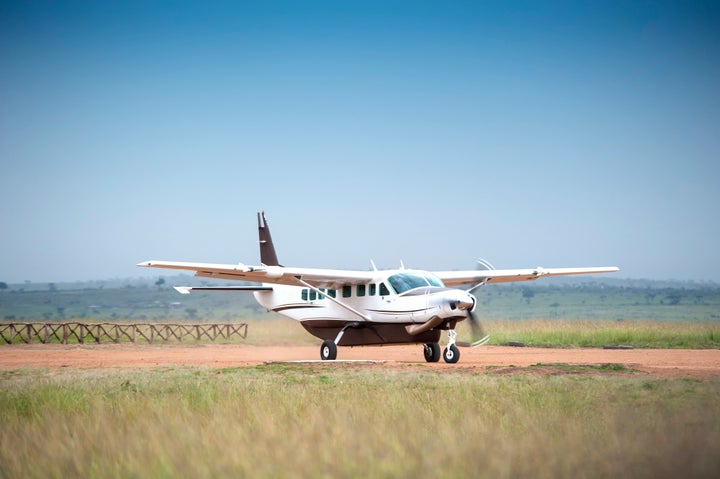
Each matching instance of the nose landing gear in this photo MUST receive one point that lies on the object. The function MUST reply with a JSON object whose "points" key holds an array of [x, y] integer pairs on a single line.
{"points": [[451, 354]]}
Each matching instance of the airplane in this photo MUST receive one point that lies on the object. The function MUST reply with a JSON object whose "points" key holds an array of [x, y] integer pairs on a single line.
{"points": [[357, 308]]}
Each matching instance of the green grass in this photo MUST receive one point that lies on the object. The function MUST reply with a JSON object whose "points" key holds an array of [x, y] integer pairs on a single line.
{"points": [[523, 301], [354, 421], [596, 334], [579, 368]]}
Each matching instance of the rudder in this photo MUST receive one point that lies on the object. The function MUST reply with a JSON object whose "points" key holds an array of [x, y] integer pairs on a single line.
{"points": [[267, 248]]}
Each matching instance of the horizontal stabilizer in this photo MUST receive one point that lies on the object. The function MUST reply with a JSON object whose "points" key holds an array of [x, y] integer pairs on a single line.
{"points": [[243, 289]]}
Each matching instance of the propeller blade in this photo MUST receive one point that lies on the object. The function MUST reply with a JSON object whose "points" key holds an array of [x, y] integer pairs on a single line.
{"points": [[478, 334], [477, 329]]}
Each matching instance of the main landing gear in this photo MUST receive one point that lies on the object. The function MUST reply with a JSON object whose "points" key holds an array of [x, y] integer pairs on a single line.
{"points": [[328, 350], [451, 354], [432, 352]]}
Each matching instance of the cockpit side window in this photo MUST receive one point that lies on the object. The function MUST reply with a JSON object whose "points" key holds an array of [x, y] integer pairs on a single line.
{"points": [[402, 282]]}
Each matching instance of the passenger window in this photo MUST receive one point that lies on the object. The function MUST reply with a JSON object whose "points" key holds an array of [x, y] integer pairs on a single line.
{"points": [[332, 293], [383, 290], [313, 295], [304, 294], [347, 291], [361, 290], [321, 296], [373, 287]]}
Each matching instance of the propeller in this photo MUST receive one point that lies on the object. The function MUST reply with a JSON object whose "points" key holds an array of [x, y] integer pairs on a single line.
{"points": [[478, 333]]}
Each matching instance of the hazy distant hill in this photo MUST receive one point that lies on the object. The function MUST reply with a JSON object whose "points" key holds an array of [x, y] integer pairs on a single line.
{"points": [[189, 280]]}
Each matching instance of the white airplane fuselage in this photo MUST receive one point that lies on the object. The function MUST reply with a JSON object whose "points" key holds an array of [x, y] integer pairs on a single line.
{"points": [[414, 306], [398, 306]]}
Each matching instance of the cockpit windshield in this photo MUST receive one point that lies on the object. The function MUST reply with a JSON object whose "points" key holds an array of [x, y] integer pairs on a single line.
{"points": [[402, 282]]}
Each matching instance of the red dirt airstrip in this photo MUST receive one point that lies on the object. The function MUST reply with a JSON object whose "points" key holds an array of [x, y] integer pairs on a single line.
{"points": [[701, 364]]}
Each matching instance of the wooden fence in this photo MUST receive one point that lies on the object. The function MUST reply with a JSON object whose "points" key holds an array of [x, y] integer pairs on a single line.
{"points": [[63, 333]]}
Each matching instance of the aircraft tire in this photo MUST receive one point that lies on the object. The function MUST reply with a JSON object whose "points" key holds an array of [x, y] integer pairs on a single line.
{"points": [[328, 350], [432, 352], [451, 354]]}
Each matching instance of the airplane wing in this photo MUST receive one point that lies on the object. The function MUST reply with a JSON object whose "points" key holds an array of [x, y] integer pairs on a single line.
{"points": [[319, 278], [330, 278], [456, 278]]}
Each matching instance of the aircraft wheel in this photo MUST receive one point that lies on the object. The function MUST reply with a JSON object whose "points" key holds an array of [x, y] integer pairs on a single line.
{"points": [[328, 350], [432, 352], [451, 354]]}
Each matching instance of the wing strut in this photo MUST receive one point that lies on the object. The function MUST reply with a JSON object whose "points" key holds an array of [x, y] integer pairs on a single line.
{"points": [[339, 303]]}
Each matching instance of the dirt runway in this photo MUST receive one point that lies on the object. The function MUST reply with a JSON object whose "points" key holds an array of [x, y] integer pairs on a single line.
{"points": [[702, 364]]}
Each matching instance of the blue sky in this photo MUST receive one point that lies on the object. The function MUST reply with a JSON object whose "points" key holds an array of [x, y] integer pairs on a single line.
{"points": [[528, 133]]}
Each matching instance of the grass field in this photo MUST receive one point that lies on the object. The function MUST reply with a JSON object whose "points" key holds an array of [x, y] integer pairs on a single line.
{"points": [[344, 420], [639, 334], [354, 421]]}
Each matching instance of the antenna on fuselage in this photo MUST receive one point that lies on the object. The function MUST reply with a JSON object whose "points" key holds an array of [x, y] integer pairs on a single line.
{"points": [[267, 249], [373, 265]]}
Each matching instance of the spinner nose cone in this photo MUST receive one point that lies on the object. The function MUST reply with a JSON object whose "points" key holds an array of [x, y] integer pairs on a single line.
{"points": [[467, 302], [461, 300]]}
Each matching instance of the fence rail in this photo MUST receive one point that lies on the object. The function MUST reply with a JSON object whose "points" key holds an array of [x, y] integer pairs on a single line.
{"points": [[44, 333]]}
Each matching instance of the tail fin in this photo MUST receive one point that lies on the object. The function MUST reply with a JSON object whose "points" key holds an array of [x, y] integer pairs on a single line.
{"points": [[267, 249]]}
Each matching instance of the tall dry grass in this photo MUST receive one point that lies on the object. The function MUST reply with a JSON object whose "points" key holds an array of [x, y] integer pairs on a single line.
{"points": [[598, 333], [337, 420]]}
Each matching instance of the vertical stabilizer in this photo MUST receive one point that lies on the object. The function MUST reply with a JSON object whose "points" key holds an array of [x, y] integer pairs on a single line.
{"points": [[267, 249]]}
